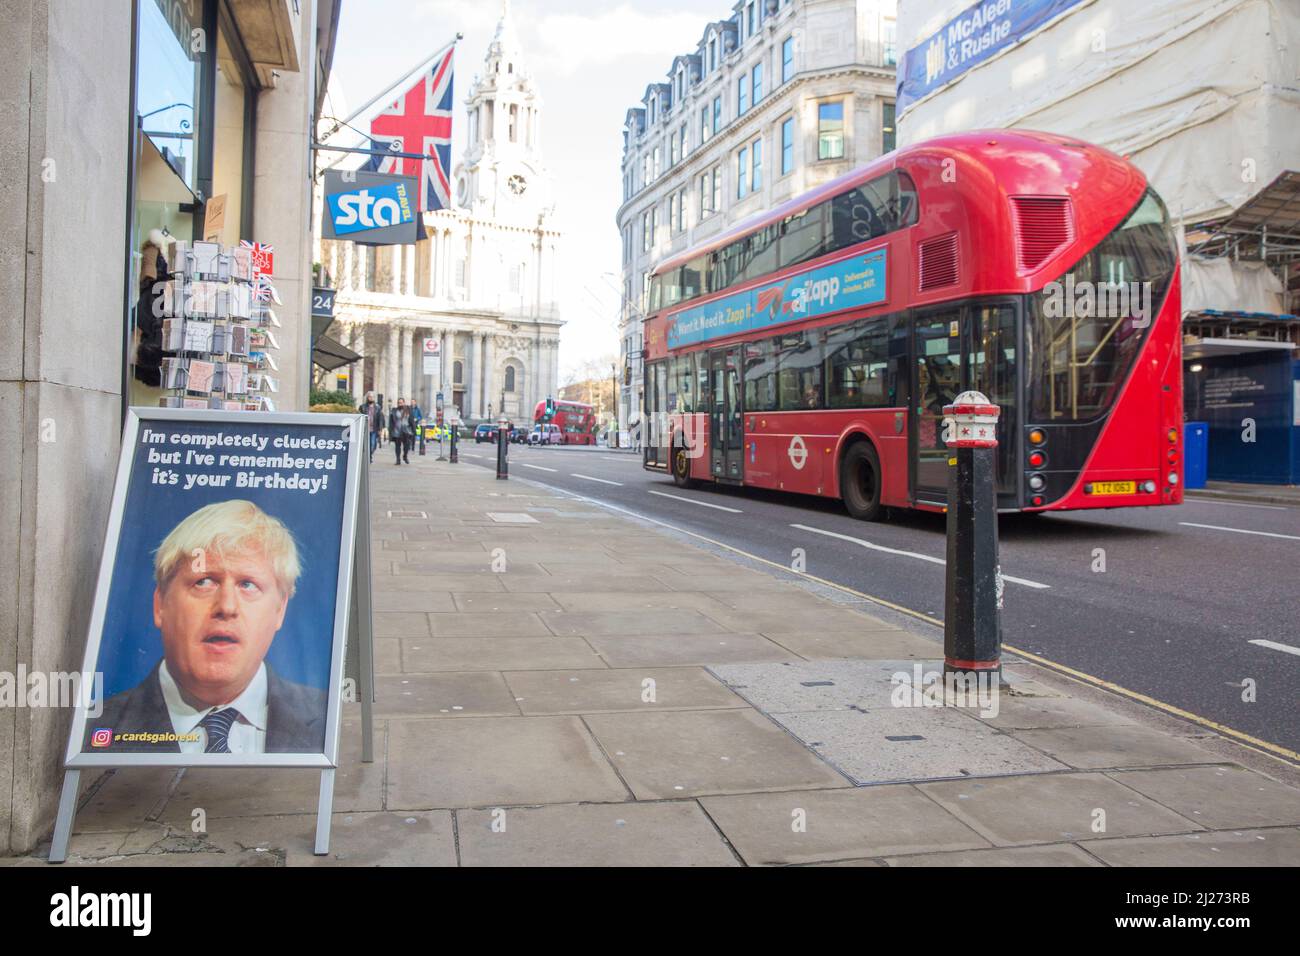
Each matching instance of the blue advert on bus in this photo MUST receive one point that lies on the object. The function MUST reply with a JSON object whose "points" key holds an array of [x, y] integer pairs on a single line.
{"points": [[847, 284]]}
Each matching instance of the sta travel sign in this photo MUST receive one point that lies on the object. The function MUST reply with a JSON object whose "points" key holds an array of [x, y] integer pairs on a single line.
{"points": [[373, 208], [846, 284], [968, 39]]}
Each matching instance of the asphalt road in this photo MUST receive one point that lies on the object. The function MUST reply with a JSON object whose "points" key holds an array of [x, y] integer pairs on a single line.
{"points": [[1184, 592]]}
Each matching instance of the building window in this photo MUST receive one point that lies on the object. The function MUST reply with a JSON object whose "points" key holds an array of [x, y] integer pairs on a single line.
{"points": [[457, 373], [680, 85], [787, 59], [787, 145], [672, 150], [681, 209], [372, 266], [654, 223], [888, 141], [717, 113], [516, 278], [751, 23], [651, 106], [514, 123], [830, 130], [757, 83], [645, 231], [756, 165], [713, 54], [704, 125], [742, 95], [510, 378], [672, 214], [655, 164], [460, 273], [742, 172], [890, 44], [682, 139], [717, 188]]}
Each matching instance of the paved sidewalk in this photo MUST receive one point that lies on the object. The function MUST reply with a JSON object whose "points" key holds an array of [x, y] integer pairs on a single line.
{"points": [[562, 684], [1243, 491]]}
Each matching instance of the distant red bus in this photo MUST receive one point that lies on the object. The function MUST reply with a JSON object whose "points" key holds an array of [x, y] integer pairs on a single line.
{"points": [[577, 421], [813, 347]]}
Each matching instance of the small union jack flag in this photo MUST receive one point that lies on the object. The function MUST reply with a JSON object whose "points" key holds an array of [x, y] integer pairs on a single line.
{"points": [[263, 256], [419, 121]]}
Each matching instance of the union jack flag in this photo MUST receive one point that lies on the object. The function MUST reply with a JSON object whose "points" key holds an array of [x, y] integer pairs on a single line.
{"points": [[419, 121]]}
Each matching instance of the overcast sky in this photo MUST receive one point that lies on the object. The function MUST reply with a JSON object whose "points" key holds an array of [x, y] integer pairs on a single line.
{"points": [[592, 61]]}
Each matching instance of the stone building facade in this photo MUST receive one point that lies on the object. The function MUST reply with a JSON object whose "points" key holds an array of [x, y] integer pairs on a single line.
{"points": [[484, 281], [774, 100]]}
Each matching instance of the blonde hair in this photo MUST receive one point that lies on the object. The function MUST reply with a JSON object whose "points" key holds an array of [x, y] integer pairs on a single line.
{"points": [[230, 527]]}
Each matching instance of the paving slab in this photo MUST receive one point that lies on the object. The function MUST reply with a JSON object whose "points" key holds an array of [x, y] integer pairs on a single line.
{"points": [[386, 601], [1278, 847], [125, 799], [424, 656], [1062, 854], [553, 583], [495, 601], [1017, 712], [794, 686], [822, 825], [401, 624], [886, 643], [467, 583], [665, 755], [388, 655], [488, 624], [665, 622], [444, 695], [634, 601], [1052, 808], [692, 649], [611, 691], [1095, 748], [459, 564], [415, 838], [497, 761], [798, 619], [913, 743], [644, 834], [735, 579], [1218, 797]]}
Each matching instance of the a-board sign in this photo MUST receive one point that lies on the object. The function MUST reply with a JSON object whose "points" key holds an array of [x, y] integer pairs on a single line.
{"points": [[222, 602]]}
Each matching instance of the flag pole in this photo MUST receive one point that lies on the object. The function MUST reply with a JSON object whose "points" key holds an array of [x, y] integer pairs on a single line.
{"points": [[339, 124]]}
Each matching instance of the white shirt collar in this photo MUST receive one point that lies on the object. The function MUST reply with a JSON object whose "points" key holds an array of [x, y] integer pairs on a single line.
{"points": [[251, 703]]}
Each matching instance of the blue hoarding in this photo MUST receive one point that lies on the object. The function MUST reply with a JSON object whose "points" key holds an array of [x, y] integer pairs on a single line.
{"points": [[968, 39], [846, 284]]}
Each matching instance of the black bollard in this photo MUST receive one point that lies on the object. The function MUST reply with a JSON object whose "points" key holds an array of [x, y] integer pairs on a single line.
{"points": [[421, 438], [972, 618], [503, 446], [455, 454]]}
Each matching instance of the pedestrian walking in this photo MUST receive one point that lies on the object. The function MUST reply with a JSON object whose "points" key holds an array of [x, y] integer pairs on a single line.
{"points": [[374, 420], [401, 431]]}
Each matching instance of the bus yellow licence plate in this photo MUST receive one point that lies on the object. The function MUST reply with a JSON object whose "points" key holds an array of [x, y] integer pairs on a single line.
{"points": [[1114, 487]]}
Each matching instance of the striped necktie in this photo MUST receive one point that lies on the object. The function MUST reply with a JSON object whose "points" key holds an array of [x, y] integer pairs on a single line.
{"points": [[218, 724]]}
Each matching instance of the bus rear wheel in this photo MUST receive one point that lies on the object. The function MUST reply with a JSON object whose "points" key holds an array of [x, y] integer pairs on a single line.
{"points": [[860, 483], [682, 468]]}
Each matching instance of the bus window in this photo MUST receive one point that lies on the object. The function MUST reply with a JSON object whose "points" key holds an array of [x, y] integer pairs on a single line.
{"points": [[802, 236], [799, 370], [760, 376], [857, 357]]}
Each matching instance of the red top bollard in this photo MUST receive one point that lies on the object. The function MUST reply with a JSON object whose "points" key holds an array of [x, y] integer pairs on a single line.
{"points": [[971, 422]]}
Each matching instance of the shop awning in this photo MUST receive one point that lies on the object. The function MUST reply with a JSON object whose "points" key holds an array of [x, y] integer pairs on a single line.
{"points": [[330, 354]]}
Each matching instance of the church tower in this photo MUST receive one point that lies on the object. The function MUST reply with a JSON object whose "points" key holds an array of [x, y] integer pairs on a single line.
{"points": [[502, 176]]}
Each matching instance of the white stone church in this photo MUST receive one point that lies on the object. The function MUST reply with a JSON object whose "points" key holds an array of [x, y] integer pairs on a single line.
{"points": [[483, 282]]}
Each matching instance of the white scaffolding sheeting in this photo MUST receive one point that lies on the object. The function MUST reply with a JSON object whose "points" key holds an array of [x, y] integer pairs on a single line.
{"points": [[1202, 95]]}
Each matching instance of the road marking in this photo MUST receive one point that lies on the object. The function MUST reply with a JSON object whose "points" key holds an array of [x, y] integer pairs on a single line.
{"points": [[1233, 504], [702, 504], [621, 458], [1274, 645], [910, 554], [1245, 739], [538, 467], [470, 454], [603, 481], [1262, 534]]}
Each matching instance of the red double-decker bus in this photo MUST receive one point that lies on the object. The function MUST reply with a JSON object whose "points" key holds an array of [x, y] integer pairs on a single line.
{"points": [[812, 348], [576, 420]]}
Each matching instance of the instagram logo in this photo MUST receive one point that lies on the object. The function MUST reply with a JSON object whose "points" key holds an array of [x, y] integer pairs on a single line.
{"points": [[102, 737]]}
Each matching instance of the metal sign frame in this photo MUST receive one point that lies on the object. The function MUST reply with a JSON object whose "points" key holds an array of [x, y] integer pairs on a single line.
{"points": [[353, 627]]}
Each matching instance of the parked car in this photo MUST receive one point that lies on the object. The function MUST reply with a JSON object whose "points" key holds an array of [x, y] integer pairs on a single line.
{"points": [[484, 433], [546, 435], [519, 436]]}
